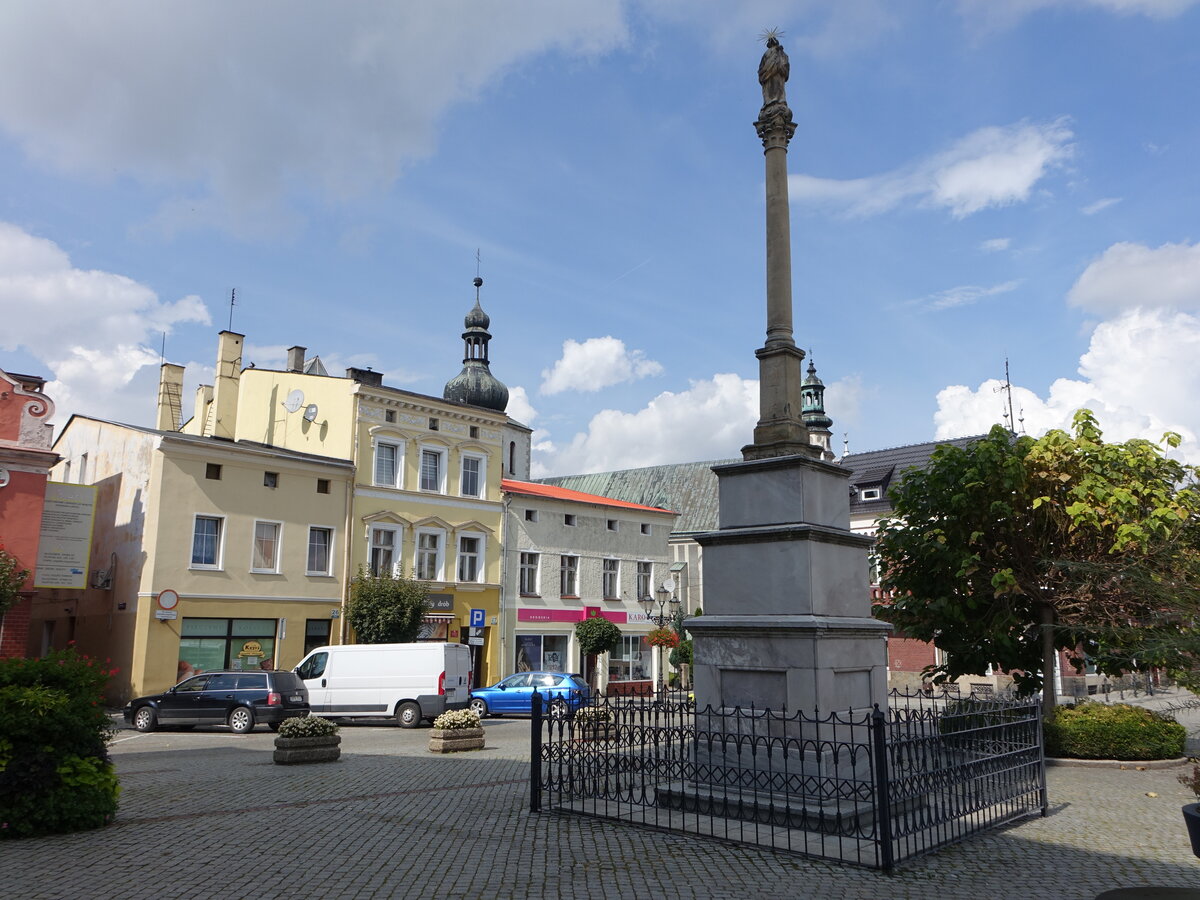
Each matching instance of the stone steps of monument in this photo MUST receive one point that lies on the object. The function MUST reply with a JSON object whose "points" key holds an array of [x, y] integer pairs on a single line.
{"points": [[832, 816]]}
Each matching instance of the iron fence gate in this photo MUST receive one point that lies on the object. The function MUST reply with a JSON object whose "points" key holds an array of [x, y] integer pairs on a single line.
{"points": [[869, 788]]}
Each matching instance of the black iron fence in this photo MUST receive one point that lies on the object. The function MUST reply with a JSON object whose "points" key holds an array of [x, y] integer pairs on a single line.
{"points": [[870, 788]]}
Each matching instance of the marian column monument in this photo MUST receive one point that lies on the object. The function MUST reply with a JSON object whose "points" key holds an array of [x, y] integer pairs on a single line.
{"points": [[787, 620]]}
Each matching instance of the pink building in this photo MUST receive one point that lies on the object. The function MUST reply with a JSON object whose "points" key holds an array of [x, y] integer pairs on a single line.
{"points": [[25, 461]]}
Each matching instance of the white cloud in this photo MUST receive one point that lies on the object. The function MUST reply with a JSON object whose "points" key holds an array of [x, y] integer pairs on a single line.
{"points": [[1139, 376], [1004, 14], [1130, 275], [94, 331], [1092, 208], [594, 364], [712, 419], [963, 295], [519, 406], [995, 245], [234, 104], [991, 167]]}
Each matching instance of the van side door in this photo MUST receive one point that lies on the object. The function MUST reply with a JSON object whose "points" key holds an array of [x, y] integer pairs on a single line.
{"points": [[313, 672]]}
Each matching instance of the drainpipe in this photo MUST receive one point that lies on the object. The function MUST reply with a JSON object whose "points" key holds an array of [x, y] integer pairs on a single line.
{"points": [[348, 554]]}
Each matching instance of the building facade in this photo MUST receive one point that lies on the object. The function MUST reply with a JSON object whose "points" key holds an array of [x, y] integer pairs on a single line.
{"points": [[569, 556]]}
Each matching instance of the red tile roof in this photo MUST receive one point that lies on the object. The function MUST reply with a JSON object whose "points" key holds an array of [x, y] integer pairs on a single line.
{"points": [[553, 492]]}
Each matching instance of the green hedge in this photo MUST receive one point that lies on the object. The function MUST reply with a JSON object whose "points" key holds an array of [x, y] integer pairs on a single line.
{"points": [[1120, 731], [55, 774]]}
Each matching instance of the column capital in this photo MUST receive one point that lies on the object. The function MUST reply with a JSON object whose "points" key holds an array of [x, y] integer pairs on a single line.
{"points": [[774, 125]]}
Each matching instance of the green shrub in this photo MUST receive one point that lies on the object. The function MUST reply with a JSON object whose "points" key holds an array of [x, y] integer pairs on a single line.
{"points": [[55, 774], [597, 635], [306, 726], [457, 719], [1120, 731]]}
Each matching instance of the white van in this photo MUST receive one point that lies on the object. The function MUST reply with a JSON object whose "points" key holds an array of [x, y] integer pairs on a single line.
{"points": [[409, 681]]}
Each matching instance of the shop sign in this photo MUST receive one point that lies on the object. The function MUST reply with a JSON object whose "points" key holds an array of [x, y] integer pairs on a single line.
{"points": [[442, 603]]}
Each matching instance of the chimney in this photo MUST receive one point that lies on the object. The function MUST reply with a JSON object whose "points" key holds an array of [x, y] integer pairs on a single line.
{"points": [[365, 376], [204, 396], [170, 397], [225, 384], [295, 361]]}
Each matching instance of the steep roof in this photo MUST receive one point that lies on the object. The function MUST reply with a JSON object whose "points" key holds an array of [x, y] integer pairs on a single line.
{"points": [[553, 492], [882, 468]]}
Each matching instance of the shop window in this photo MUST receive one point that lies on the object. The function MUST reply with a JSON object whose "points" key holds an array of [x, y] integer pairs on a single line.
{"points": [[207, 645], [631, 660], [316, 634], [541, 652]]}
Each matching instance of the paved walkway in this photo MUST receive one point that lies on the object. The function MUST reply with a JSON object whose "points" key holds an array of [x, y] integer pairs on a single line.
{"points": [[207, 814]]}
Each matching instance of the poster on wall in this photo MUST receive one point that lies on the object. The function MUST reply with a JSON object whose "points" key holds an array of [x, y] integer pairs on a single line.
{"points": [[65, 542]]}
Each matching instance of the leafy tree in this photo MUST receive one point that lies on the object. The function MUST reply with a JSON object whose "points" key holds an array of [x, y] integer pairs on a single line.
{"points": [[597, 635], [1010, 549], [386, 608]]}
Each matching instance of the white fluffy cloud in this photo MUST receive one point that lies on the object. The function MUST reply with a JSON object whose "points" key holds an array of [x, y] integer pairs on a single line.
{"points": [[237, 103], [1004, 14], [594, 364], [1130, 275], [94, 331], [519, 406], [992, 167], [1139, 376], [995, 245]]}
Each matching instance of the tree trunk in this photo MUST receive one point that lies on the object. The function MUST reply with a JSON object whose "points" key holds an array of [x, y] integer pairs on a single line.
{"points": [[1049, 691]]}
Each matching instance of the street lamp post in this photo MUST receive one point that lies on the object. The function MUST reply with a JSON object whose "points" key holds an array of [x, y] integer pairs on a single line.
{"points": [[666, 601]]}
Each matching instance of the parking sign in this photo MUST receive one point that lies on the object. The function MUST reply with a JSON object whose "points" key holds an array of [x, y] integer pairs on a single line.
{"points": [[477, 616]]}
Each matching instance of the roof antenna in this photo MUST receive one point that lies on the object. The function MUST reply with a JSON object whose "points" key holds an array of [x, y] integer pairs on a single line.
{"points": [[845, 444], [1009, 419], [232, 304], [162, 355]]}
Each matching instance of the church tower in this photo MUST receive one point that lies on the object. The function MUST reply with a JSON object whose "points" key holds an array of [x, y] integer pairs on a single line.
{"points": [[476, 384], [812, 411]]}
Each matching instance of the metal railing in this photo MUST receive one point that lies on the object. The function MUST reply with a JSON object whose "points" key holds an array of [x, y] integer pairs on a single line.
{"points": [[871, 788]]}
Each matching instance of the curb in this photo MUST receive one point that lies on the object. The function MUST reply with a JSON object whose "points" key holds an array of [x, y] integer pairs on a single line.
{"points": [[1138, 764]]}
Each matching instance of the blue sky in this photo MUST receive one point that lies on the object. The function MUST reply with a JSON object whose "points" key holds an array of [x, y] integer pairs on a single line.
{"points": [[970, 181]]}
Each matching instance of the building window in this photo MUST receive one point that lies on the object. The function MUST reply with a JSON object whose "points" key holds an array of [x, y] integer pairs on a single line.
{"points": [[873, 493], [207, 645], [470, 553], [212, 471], [322, 485], [388, 458], [383, 551], [316, 634], [429, 556], [529, 574], [644, 572], [568, 576], [473, 431], [434, 425], [569, 518], [320, 551], [613, 525], [206, 542], [531, 515], [512, 457], [471, 482], [631, 660], [389, 416], [433, 470], [264, 556], [645, 528], [611, 579], [271, 479]]}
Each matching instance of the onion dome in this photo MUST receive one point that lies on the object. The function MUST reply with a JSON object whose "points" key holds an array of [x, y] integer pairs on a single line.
{"points": [[476, 384]]}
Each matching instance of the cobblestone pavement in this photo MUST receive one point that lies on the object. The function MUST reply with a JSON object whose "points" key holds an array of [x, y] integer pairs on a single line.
{"points": [[207, 814]]}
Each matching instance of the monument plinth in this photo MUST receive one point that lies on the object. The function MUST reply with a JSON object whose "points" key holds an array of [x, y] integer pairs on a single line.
{"points": [[787, 620]]}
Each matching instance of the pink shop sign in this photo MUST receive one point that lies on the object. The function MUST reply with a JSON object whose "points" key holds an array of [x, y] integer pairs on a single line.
{"points": [[564, 615]]}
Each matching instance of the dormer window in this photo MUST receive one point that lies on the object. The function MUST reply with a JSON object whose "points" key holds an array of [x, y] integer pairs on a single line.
{"points": [[871, 493]]}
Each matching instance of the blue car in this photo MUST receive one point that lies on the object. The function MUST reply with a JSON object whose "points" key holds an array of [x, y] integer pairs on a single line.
{"points": [[514, 695]]}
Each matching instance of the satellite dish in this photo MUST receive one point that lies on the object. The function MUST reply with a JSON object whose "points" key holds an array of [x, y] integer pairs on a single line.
{"points": [[669, 585], [310, 412], [294, 401]]}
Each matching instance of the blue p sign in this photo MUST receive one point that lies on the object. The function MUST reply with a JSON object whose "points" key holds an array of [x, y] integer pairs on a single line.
{"points": [[477, 617]]}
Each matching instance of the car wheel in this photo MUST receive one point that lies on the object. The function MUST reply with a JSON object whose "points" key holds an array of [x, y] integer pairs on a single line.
{"points": [[479, 706], [558, 708], [144, 719], [408, 715], [241, 720]]}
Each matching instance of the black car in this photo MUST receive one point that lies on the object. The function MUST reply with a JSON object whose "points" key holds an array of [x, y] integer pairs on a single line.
{"points": [[238, 699]]}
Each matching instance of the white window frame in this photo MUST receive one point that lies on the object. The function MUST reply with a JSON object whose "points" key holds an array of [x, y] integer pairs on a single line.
{"points": [[480, 556], [568, 568], [328, 550], [441, 454], [273, 568], [610, 578], [645, 579], [876, 493], [397, 446], [481, 476], [531, 567], [439, 558], [395, 549], [220, 548]]}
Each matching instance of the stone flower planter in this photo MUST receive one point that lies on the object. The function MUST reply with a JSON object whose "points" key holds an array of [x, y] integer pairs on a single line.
{"points": [[453, 740], [1191, 817], [601, 731], [289, 751]]}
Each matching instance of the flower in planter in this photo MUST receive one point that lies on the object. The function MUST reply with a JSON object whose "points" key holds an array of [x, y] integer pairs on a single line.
{"points": [[309, 726], [593, 715], [663, 637], [456, 719]]}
